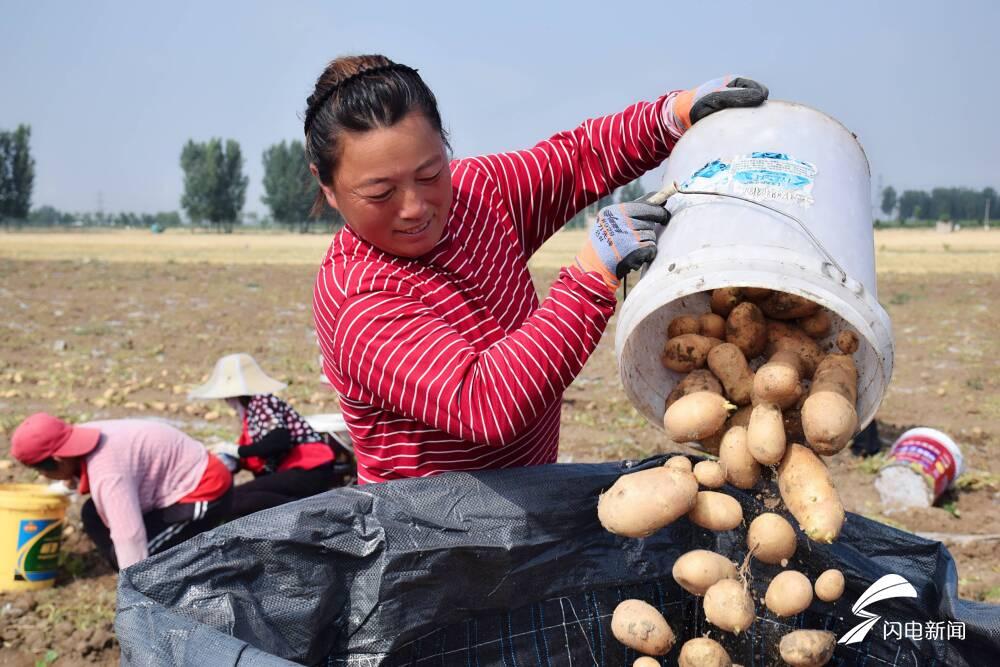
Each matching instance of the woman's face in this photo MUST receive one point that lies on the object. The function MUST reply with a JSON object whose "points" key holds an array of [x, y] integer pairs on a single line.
{"points": [[65, 469], [393, 186]]}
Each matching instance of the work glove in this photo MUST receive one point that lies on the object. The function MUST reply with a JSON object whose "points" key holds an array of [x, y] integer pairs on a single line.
{"points": [[687, 108], [622, 239]]}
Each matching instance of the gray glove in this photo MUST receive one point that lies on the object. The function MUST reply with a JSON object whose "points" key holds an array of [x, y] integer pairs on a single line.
{"points": [[622, 239], [726, 92]]}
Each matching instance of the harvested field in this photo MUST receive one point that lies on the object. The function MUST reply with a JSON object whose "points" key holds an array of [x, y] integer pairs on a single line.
{"points": [[103, 325]]}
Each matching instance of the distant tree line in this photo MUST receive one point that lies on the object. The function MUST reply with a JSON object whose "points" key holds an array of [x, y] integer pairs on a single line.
{"points": [[215, 192], [914, 206], [48, 216]]}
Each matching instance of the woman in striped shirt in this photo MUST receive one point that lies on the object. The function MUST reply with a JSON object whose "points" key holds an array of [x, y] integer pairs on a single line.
{"points": [[427, 317]]}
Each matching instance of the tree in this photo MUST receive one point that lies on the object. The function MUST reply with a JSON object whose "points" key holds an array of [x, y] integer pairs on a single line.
{"points": [[914, 204], [214, 184], [942, 204], [289, 188], [967, 204], [17, 174], [167, 219], [888, 200], [47, 216]]}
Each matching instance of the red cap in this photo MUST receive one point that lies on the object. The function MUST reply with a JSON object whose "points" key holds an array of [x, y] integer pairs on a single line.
{"points": [[41, 436]]}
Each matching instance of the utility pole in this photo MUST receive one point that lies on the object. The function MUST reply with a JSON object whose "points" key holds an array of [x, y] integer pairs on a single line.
{"points": [[986, 216]]}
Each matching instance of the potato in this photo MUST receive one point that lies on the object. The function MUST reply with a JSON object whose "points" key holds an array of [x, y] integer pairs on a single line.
{"points": [[729, 365], [837, 373], [747, 329], [807, 648], [680, 463], [792, 421], [697, 570], [683, 324], [728, 606], [687, 352], [789, 593], [809, 494], [712, 325], [741, 417], [703, 652], [785, 306], [766, 434], [782, 336], [716, 511], [640, 626], [771, 539], [709, 474], [742, 469], [724, 299], [830, 585], [847, 342], [697, 380], [756, 294], [640, 503], [696, 416], [778, 381], [829, 421], [829, 417], [817, 325], [646, 661]]}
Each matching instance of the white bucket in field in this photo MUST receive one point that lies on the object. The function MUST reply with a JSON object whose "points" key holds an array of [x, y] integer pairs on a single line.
{"points": [[938, 458], [794, 160]]}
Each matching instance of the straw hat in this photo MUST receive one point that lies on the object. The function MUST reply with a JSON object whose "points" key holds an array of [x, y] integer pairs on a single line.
{"points": [[236, 375]]}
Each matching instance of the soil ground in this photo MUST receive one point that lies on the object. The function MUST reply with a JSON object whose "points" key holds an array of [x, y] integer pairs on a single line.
{"points": [[124, 324]]}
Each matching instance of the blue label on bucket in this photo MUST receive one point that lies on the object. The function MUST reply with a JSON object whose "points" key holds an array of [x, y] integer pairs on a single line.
{"points": [[37, 549], [773, 176], [761, 176]]}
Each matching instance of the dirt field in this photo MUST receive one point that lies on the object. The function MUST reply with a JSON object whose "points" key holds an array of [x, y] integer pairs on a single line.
{"points": [[123, 324]]}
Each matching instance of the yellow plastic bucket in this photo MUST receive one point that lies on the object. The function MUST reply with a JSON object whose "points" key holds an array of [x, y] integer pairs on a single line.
{"points": [[31, 522]]}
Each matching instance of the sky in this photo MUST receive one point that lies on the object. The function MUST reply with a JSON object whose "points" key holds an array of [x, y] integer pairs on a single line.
{"points": [[112, 90]]}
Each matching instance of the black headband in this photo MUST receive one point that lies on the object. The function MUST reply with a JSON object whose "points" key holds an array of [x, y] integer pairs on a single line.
{"points": [[378, 69]]}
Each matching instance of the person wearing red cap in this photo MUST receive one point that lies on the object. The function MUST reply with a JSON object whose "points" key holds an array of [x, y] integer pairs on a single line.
{"points": [[151, 486]]}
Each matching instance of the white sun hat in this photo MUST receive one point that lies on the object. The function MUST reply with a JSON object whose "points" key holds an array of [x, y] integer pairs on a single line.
{"points": [[236, 375]]}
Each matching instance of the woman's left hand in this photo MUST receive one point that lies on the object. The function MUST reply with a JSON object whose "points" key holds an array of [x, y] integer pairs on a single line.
{"points": [[726, 92]]}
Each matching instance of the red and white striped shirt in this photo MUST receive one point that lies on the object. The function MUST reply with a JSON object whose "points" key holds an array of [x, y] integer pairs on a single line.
{"points": [[448, 362]]}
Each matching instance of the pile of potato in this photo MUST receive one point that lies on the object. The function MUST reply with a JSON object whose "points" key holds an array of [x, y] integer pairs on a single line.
{"points": [[760, 390]]}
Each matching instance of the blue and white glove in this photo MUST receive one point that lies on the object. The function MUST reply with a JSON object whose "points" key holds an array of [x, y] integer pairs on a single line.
{"points": [[687, 108], [622, 239]]}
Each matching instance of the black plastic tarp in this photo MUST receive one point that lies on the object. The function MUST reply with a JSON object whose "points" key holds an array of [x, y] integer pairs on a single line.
{"points": [[505, 567]]}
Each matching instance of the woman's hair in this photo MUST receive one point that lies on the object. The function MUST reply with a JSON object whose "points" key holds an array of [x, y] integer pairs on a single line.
{"points": [[357, 94]]}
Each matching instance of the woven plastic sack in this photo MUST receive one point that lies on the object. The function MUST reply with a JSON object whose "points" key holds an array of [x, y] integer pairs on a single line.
{"points": [[506, 567]]}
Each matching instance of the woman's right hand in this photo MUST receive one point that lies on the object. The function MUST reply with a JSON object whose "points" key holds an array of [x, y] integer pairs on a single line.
{"points": [[622, 239], [726, 92]]}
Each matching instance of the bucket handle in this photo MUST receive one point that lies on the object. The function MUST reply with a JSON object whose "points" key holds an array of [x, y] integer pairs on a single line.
{"points": [[670, 190]]}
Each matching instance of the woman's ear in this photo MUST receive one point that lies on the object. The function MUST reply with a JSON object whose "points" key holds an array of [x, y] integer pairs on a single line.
{"points": [[331, 199]]}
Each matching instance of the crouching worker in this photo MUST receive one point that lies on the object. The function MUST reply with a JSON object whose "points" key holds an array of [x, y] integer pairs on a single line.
{"points": [[288, 458], [151, 487]]}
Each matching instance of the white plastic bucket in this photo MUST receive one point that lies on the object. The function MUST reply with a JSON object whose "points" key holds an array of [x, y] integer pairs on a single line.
{"points": [[936, 455], [794, 159]]}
